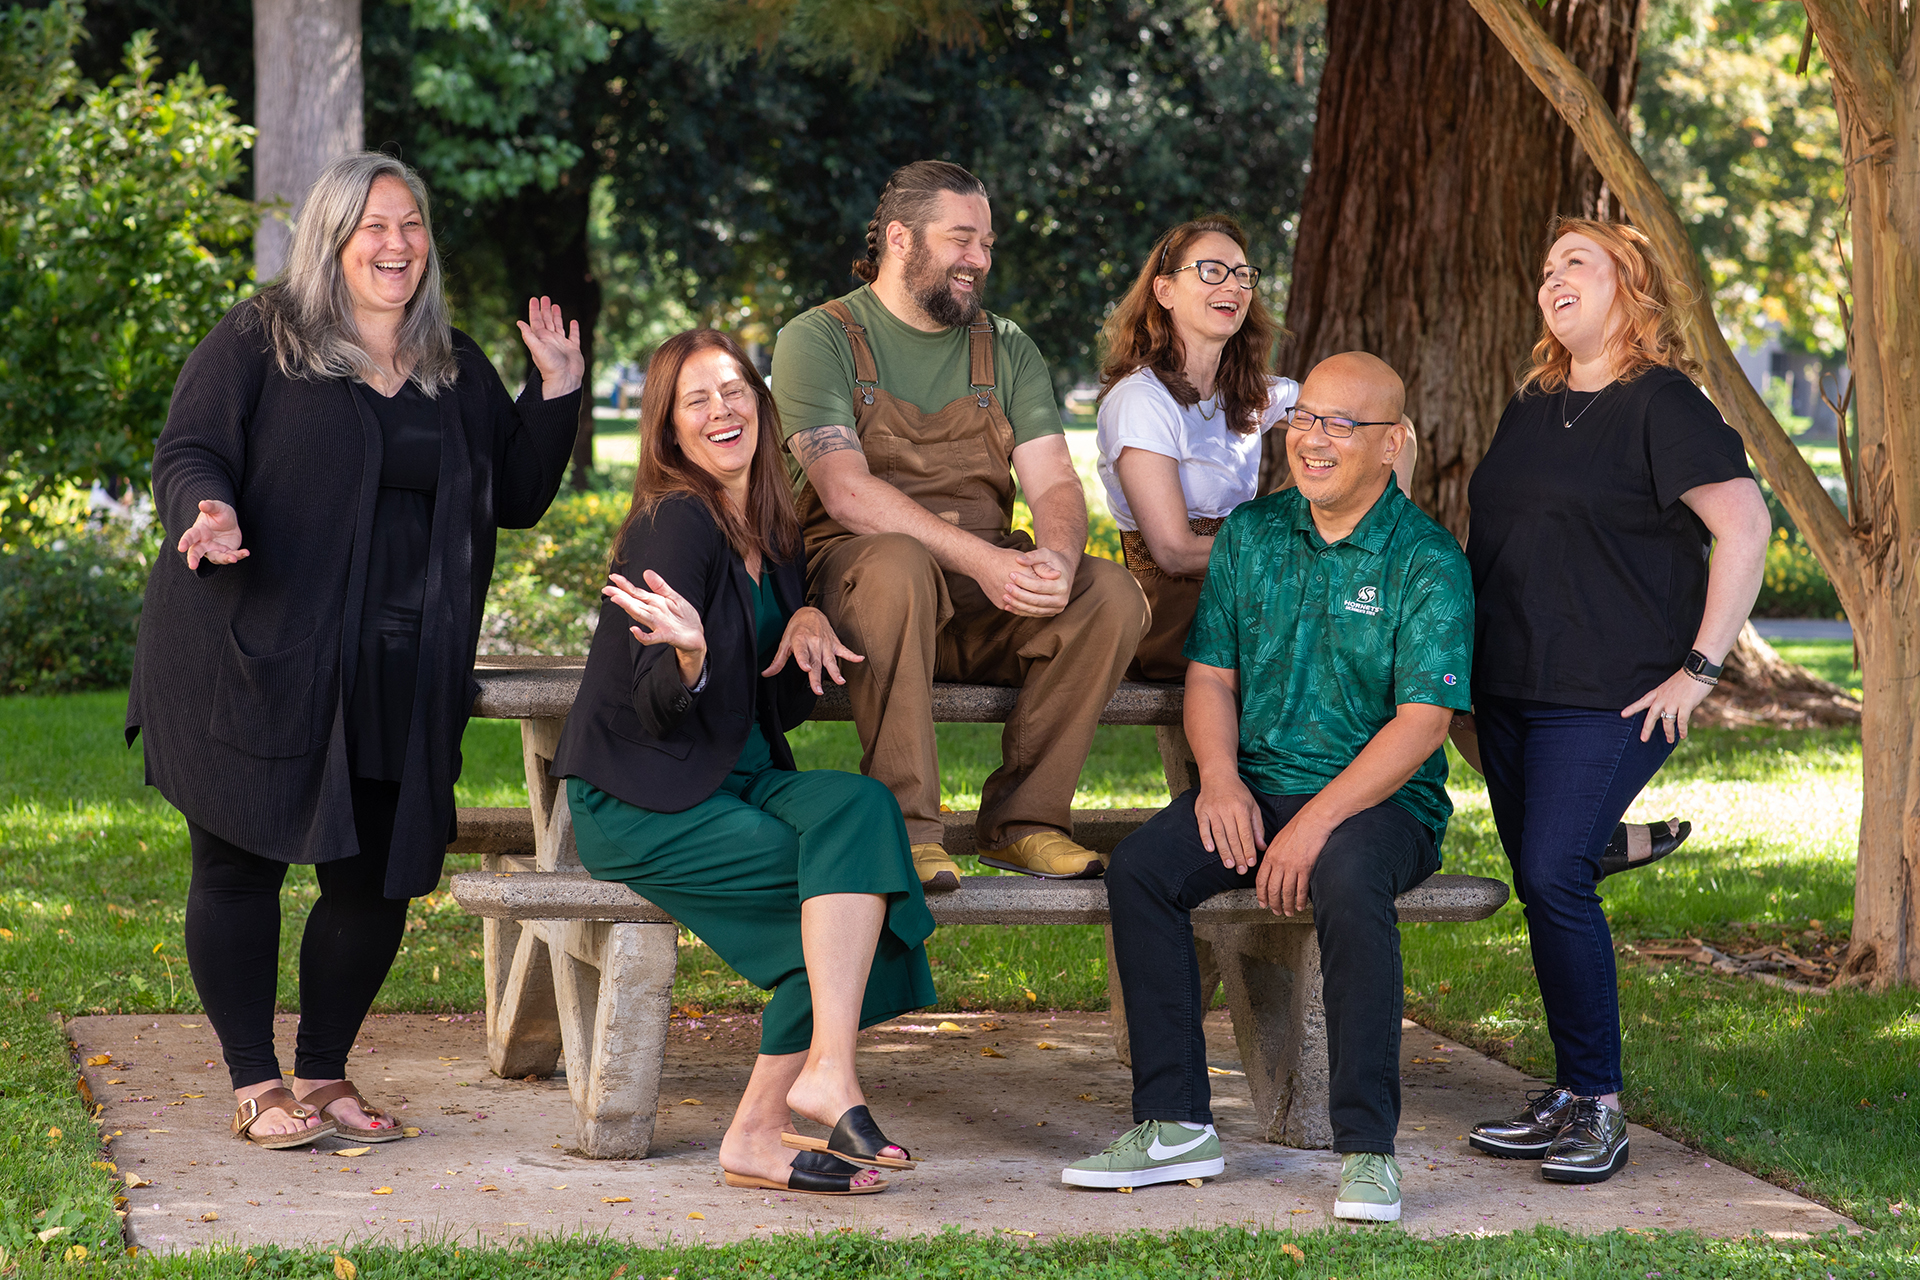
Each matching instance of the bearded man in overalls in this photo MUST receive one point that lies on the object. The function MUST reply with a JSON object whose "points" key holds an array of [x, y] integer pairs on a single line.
{"points": [[912, 412]]}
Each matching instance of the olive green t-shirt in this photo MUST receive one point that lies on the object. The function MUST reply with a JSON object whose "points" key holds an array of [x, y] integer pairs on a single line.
{"points": [[1329, 639], [813, 369]]}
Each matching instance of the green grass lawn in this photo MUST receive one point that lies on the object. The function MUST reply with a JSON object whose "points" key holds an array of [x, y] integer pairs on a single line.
{"points": [[1831, 660], [93, 878]]}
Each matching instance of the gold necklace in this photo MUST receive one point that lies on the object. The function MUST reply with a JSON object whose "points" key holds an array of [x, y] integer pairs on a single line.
{"points": [[1201, 405]]}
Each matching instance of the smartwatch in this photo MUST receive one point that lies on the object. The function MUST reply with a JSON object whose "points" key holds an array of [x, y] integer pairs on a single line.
{"points": [[1700, 669]]}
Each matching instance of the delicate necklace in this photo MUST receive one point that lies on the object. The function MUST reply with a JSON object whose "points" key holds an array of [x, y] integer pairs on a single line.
{"points": [[1201, 405], [1566, 423]]}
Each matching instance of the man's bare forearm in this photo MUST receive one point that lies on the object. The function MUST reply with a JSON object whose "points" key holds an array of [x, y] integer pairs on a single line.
{"points": [[864, 503], [1212, 719], [1060, 519]]}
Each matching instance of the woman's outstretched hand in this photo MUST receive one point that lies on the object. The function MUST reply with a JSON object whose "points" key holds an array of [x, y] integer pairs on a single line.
{"points": [[555, 348], [813, 646], [665, 617], [215, 536]]}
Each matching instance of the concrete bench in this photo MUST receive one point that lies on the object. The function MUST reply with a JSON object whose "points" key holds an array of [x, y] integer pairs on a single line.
{"points": [[585, 968]]}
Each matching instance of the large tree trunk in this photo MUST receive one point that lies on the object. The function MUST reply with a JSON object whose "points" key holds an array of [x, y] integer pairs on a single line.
{"points": [[1436, 168], [1872, 560], [307, 107]]}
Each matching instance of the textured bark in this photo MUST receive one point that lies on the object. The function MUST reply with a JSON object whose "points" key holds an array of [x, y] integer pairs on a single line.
{"points": [[1436, 168], [307, 107], [1871, 556]]}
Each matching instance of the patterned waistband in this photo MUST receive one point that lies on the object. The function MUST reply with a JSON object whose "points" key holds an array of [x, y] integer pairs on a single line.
{"points": [[1134, 547]]}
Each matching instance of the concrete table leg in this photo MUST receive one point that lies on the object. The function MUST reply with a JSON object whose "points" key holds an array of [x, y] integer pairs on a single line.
{"points": [[613, 1018], [1272, 979], [523, 1022]]}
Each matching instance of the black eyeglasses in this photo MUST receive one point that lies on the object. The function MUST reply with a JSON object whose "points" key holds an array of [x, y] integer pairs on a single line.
{"points": [[1215, 272], [1337, 427]]}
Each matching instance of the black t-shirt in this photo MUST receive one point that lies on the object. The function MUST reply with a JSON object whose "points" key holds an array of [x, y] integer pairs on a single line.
{"points": [[1589, 573]]}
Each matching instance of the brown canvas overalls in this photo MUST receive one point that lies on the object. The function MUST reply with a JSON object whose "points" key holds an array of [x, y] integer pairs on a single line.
{"points": [[915, 623]]}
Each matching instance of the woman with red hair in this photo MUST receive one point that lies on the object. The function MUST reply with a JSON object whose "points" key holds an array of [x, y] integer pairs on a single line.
{"points": [[1617, 543]]}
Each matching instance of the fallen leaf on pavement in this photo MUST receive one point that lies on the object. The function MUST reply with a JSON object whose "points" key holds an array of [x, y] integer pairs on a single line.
{"points": [[561, 1187], [697, 1214], [1086, 1097], [1125, 1191], [692, 1102], [989, 1026], [489, 1187], [616, 1199], [991, 1052], [383, 1191], [209, 1216], [1042, 1044], [135, 1180], [951, 1026], [99, 1059], [1195, 1182], [354, 1151], [411, 1132], [191, 1026]]}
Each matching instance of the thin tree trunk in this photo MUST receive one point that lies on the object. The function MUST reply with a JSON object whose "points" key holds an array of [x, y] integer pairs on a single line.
{"points": [[1871, 560], [307, 108], [1435, 171]]}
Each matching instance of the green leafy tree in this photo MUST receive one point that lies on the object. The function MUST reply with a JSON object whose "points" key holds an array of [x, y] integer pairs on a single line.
{"points": [[119, 250], [1748, 145]]}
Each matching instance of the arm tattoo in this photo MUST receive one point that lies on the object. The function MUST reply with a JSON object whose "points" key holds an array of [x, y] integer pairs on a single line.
{"points": [[816, 443]]}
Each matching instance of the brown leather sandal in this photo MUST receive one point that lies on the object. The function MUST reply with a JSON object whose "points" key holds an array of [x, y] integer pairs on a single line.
{"points": [[328, 1094], [248, 1112]]}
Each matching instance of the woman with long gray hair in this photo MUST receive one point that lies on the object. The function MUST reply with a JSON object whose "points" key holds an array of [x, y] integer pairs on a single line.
{"points": [[334, 466]]}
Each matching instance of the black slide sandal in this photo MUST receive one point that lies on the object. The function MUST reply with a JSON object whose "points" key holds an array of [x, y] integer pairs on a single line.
{"points": [[856, 1138], [814, 1173], [1652, 841]]}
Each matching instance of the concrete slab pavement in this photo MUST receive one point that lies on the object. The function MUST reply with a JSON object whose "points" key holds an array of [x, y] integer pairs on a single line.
{"points": [[494, 1158]]}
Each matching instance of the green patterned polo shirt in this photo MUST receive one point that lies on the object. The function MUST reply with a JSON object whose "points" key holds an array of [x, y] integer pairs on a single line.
{"points": [[1328, 640]]}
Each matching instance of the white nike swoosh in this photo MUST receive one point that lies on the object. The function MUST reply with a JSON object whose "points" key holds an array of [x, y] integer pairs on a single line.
{"points": [[1159, 1152]]}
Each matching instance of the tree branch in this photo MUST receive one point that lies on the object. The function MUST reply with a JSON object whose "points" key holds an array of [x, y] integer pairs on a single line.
{"points": [[1863, 68], [1579, 103]]}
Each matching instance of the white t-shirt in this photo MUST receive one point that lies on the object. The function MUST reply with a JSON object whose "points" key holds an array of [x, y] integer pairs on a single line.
{"points": [[1219, 468]]}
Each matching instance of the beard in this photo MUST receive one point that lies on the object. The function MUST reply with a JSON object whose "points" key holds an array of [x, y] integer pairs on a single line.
{"points": [[931, 291]]}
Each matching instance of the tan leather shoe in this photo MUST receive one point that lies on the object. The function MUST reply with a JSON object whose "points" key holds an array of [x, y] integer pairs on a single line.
{"points": [[938, 873], [1047, 854]]}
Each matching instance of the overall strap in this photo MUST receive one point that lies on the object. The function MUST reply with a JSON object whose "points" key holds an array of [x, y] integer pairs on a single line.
{"points": [[980, 352], [866, 374]]}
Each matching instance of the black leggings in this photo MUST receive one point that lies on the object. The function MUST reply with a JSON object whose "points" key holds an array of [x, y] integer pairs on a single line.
{"points": [[352, 936]]}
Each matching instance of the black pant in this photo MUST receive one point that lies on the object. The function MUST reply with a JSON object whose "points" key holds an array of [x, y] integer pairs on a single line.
{"points": [[1162, 871], [352, 936]]}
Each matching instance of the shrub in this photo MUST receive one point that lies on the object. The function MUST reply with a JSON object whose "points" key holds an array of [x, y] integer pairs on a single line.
{"points": [[545, 594], [69, 607], [1795, 585]]}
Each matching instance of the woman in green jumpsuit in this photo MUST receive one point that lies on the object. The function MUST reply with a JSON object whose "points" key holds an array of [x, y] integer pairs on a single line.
{"points": [[683, 788]]}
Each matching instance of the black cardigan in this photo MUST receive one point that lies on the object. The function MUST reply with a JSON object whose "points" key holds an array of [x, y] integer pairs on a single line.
{"points": [[239, 670], [638, 733]]}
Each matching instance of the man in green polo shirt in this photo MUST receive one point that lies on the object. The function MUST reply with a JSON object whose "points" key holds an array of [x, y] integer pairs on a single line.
{"points": [[911, 412], [1331, 647]]}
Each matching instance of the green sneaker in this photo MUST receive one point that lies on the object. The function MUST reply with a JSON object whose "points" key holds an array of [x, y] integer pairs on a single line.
{"points": [[1150, 1152], [1369, 1187]]}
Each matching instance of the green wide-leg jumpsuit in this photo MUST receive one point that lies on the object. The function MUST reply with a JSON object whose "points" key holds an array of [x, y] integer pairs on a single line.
{"points": [[736, 867]]}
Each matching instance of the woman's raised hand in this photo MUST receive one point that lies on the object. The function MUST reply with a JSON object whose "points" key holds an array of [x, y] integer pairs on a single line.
{"points": [[813, 646], [215, 536], [665, 617], [555, 348]]}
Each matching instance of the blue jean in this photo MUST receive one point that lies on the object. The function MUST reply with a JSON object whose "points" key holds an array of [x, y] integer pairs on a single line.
{"points": [[1162, 872], [1559, 779]]}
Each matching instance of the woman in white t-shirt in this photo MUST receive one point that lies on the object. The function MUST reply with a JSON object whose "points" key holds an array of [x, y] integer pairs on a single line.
{"points": [[1186, 394]]}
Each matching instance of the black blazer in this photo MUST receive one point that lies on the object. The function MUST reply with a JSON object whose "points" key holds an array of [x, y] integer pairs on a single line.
{"points": [[239, 670], [639, 734]]}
